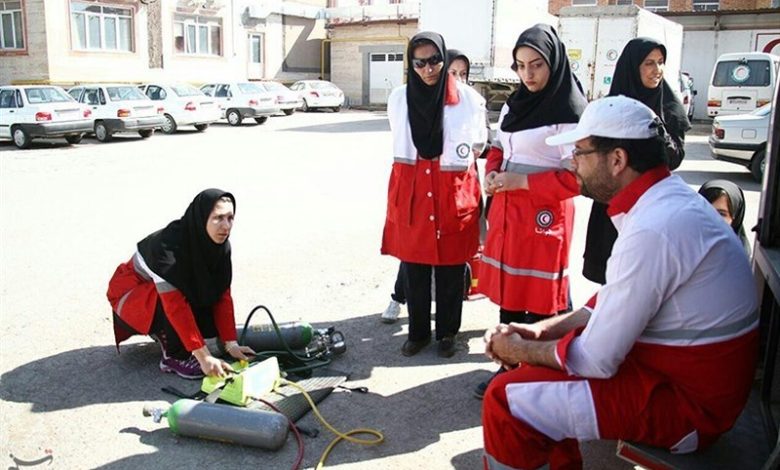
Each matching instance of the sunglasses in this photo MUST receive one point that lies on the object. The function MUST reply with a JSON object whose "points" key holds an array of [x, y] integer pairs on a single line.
{"points": [[433, 61]]}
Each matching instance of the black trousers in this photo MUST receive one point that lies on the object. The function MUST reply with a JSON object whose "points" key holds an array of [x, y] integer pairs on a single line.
{"points": [[169, 339], [449, 299], [400, 279], [511, 316]]}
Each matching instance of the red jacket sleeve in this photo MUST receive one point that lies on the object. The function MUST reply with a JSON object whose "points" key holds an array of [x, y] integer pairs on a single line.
{"points": [[224, 318], [180, 315], [558, 185], [495, 156]]}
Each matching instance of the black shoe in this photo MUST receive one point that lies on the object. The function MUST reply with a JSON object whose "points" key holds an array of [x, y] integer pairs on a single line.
{"points": [[447, 346], [410, 348], [479, 390]]}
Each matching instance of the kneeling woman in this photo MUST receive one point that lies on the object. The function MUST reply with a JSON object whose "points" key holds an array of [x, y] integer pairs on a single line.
{"points": [[176, 288]]}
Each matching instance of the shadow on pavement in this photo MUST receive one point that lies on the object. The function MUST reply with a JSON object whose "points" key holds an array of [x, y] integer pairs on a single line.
{"points": [[366, 125]]}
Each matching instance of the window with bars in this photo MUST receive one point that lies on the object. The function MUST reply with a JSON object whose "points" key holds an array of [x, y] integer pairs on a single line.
{"points": [[625, 2], [101, 27], [657, 5], [11, 29], [706, 5], [197, 35], [583, 2]]}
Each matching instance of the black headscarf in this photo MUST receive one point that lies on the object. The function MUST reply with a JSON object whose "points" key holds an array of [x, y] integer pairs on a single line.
{"points": [[713, 189], [628, 82], [184, 255], [455, 54], [426, 103], [561, 101]]}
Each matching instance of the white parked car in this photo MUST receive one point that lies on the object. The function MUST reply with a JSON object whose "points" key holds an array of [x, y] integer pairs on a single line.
{"points": [[319, 94], [687, 94], [28, 112], [741, 139], [287, 99], [118, 108], [240, 100], [184, 105]]}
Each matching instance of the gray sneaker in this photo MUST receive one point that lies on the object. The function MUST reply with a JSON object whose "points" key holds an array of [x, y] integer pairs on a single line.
{"points": [[390, 315]]}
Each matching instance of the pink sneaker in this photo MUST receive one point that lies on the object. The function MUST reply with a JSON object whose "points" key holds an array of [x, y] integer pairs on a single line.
{"points": [[186, 368]]}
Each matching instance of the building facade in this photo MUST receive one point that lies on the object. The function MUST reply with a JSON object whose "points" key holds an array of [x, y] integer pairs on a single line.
{"points": [[76, 41], [671, 5]]}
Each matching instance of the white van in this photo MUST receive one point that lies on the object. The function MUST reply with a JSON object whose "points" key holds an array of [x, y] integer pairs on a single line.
{"points": [[742, 82]]}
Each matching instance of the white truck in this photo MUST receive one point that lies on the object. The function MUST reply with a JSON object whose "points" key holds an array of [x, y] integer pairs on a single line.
{"points": [[486, 31], [595, 37]]}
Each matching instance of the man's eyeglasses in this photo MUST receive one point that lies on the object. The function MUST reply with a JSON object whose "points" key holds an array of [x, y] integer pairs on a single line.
{"points": [[433, 61], [581, 153]]}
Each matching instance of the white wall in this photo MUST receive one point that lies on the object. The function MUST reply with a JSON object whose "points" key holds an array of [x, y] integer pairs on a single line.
{"points": [[702, 48]]}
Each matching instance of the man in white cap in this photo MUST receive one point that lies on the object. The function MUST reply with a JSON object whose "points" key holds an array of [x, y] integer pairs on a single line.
{"points": [[665, 353]]}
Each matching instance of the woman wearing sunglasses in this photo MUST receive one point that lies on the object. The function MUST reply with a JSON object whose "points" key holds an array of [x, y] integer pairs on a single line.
{"points": [[525, 259], [438, 125]]}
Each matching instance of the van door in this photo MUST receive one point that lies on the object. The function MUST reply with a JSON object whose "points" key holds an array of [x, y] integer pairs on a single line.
{"points": [[740, 82]]}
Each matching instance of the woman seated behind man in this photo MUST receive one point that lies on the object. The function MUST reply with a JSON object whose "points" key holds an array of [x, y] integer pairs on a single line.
{"points": [[176, 289]]}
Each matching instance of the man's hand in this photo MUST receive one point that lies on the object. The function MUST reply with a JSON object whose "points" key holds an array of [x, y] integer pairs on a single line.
{"points": [[509, 345], [508, 181]]}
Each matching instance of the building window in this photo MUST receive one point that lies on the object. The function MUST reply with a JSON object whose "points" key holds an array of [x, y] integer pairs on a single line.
{"points": [[256, 48], [706, 5], [625, 2], [101, 27], [197, 35], [583, 2], [657, 5], [11, 30]]}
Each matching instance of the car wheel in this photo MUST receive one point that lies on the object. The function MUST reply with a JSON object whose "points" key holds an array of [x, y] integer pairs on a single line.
{"points": [[757, 165], [102, 134], [146, 133], [234, 117], [21, 137], [170, 125], [289, 112], [74, 138], [337, 109], [201, 127], [305, 107], [261, 120]]}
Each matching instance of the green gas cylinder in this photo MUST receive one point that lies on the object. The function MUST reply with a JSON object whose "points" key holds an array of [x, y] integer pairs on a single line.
{"points": [[252, 427]]}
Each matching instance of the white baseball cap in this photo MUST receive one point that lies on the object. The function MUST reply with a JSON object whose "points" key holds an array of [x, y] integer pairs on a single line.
{"points": [[616, 117]]}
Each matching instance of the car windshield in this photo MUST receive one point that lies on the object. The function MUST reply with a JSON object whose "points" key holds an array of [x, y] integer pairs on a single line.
{"points": [[249, 88], [185, 90], [125, 93], [322, 85], [742, 73], [274, 86], [46, 95]]}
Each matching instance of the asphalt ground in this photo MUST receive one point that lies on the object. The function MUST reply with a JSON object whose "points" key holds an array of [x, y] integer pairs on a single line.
{"points": [[311, 194]]}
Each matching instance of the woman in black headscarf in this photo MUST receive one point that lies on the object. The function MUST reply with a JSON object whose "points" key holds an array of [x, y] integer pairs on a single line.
{"points": [[728, 199], [432, 216], [176, 288], [459, 69], [638, 75], [525, 259]]}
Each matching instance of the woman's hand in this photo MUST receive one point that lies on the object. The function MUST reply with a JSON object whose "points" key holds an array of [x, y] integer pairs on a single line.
{"points": [[241, 353], [489, 182], [507, 182], [211, 365]]}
